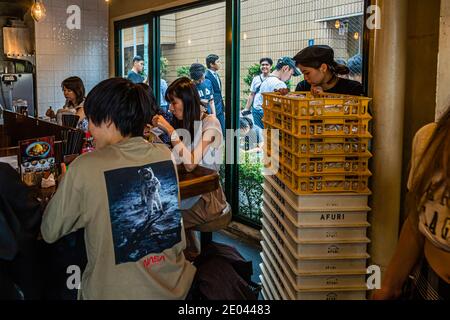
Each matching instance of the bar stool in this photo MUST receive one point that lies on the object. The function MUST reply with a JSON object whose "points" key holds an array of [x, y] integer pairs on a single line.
{"points": [[220, 223]]}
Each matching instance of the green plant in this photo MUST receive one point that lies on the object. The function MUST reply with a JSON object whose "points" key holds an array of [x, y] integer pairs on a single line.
{"points": [[164, 67], [183, 71], [250, 186], [252, 71]]}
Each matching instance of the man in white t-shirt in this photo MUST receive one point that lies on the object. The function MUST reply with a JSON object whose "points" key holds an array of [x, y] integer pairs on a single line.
{"points": [[284, 71], [265, 68]]}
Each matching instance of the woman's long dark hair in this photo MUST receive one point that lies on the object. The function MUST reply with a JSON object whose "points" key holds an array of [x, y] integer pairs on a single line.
{"points": [[76, 85], [185, 90], [434, 163]]}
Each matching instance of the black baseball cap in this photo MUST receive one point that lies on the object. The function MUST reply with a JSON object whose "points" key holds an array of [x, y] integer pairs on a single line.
{"points": [[316, 53], [287, 61]]}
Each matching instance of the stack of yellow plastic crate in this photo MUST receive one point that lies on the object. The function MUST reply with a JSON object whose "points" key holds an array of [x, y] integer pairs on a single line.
{"points": [[315, 208]]}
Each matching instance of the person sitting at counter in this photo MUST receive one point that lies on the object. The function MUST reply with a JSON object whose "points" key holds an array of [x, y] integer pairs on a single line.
{"points": [[201, 147], [74, 92], [134, 233], [322, 72]]}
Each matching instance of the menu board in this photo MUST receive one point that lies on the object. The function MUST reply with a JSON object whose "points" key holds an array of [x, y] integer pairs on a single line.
{"points": [[37, 159]]}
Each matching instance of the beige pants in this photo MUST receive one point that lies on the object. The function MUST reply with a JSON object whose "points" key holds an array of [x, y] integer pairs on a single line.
{"points": [[209, 207]]}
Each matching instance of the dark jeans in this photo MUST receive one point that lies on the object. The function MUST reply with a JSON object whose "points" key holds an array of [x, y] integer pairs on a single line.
{"points": [[221, 117], [257, 117]]}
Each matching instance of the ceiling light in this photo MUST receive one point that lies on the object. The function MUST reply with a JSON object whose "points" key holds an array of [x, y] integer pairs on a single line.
{"points": [[38, 11]]}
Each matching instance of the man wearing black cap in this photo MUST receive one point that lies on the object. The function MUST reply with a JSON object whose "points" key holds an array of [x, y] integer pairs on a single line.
{"points": [[284, 71], [204, 87], [322, 72]]}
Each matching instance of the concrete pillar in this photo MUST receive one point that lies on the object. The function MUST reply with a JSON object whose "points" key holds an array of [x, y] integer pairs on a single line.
{"points": [[388, 83], [443, 81]]}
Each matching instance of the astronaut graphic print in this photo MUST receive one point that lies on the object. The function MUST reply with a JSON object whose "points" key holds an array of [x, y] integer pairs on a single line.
{"points": [[144, 210]]}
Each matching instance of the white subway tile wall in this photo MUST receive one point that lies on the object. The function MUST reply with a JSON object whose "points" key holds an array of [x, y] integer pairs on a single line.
{"points": [[61, 53]]}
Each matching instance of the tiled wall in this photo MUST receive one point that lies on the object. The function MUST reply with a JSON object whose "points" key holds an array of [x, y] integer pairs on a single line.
{"points": [[61, 53]]}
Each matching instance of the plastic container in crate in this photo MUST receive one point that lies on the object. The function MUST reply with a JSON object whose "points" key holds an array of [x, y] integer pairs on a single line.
{"points": [[304, 104], [316, 249], [314, 147], [331, 146], [311, 233], [317, 202], [326, 164], [335, 183], [332, 127]]}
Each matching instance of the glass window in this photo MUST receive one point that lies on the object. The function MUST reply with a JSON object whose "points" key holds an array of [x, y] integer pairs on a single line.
{"points": [[273, 30], [188, 37], [134, 43]]}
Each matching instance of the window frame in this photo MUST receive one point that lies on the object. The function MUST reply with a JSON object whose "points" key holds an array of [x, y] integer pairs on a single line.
{"points": [[232, 86]]}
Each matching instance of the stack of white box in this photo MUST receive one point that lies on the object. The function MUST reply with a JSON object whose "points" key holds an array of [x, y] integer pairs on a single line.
{"points": [[314, 245]]}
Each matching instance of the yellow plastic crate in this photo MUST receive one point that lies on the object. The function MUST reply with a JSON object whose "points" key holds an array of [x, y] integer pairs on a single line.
{"points": [[317, 128], [304, 104], [318, 166], [302, 166], [335, 165], [314, 183], [308, 147]]}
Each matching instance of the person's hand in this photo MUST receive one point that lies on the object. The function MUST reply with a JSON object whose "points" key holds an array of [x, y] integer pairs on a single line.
{"points": [[160, 122], [147, 131], [317, 90]]}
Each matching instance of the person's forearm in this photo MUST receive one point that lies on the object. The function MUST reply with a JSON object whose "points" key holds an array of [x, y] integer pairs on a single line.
{"points": [[409, 250], [213, 107], [250, 99], [183, 151]]}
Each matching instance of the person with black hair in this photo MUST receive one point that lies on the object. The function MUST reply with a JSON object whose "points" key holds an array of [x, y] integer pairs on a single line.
{"points": [[134, 252], [213, 64], [355, 66], [204, 86], [75, 94], [322, 72], [265, 70], [284, 71], [20, 218], [135, 74], [203, 146], [251, 134]]}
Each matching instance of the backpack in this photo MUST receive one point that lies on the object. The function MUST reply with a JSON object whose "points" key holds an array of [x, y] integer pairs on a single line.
{"points": [[223, 274]]}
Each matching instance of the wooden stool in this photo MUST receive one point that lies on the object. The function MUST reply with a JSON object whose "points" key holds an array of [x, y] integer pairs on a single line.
{"points": [[217, 224]]}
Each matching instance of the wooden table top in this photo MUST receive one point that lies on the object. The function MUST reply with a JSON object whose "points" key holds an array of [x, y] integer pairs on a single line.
{"points": [[201, 180]]}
